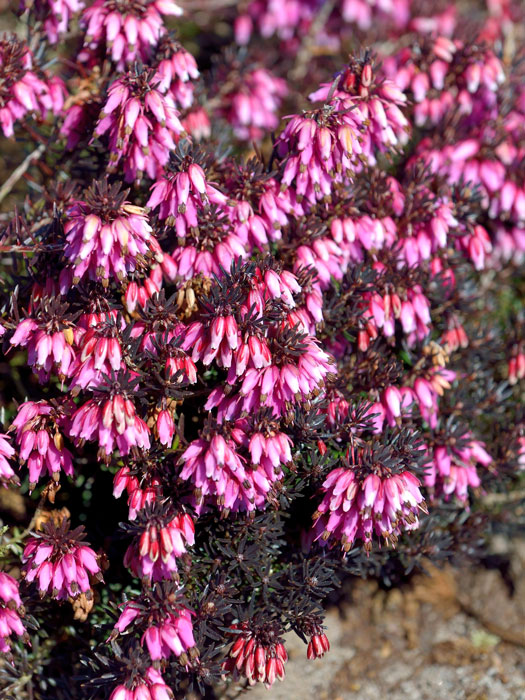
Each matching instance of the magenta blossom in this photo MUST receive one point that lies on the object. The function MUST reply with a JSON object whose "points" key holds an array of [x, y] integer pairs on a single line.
{"points": [[107, 236], [60, 562], [142, 125], [169, 628], [48, 340], [99, 354], [25, 91], [126, 31], [150, 686], [176, 69], [452, 469], [251, 106], [219, 474], [375, 100], [183, 193], [357, 507], [141, 492], [282, 17], [364, 13], [39, 427], [319, 148], [6, 452], [165, 536], [56, 15], [112, 421], [11, 611]]}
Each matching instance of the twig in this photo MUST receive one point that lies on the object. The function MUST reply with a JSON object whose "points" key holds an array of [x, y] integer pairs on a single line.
{"points": [[301, 62], [19, 172]]}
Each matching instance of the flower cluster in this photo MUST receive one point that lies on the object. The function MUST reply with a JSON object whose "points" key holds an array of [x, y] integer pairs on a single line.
{"points": [[258, 653], [169, 628], [7, 451], [11, 611], [125, 31], [361, 502], [141, 124], [60, 563], [164, 537], [107, 236], [56, 15], [251, 106], [39, 436], [25, 90]]}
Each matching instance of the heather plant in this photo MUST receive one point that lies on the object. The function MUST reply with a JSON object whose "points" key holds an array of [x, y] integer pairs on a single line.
{"points": [[262, 324]]}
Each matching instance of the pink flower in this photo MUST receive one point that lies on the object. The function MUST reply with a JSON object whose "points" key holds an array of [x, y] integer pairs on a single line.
{"points": [[366, 12], [374, 100], [176, 68], [126, 31], [298, 371], [60, 562], [208, 249], [11, 611], [169, 628], [107, 236], [183, 193], [150, 686], [141, 485], [359, 506], [444, 74], [219, 474], [48, 337], [141, 123], [452, 468], [257, 208], [164, 537], [56, 14], [428, 388], [237, 465], [39, 426], [319, 148], [6, 452], [24, 91], [252, 104], [281, 17], [99, 354], [197, 124], [112, 420], [258, 653]]}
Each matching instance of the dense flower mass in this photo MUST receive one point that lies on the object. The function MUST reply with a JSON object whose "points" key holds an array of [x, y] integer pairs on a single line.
{"points": [[291, 350]]}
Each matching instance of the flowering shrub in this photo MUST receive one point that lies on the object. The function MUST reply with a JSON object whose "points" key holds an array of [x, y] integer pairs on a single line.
{"points": [[262, 324]]}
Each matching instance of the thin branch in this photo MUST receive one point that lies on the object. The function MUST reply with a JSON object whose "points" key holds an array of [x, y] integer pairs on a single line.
{"points": [[305, 50], [20, 171]]}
